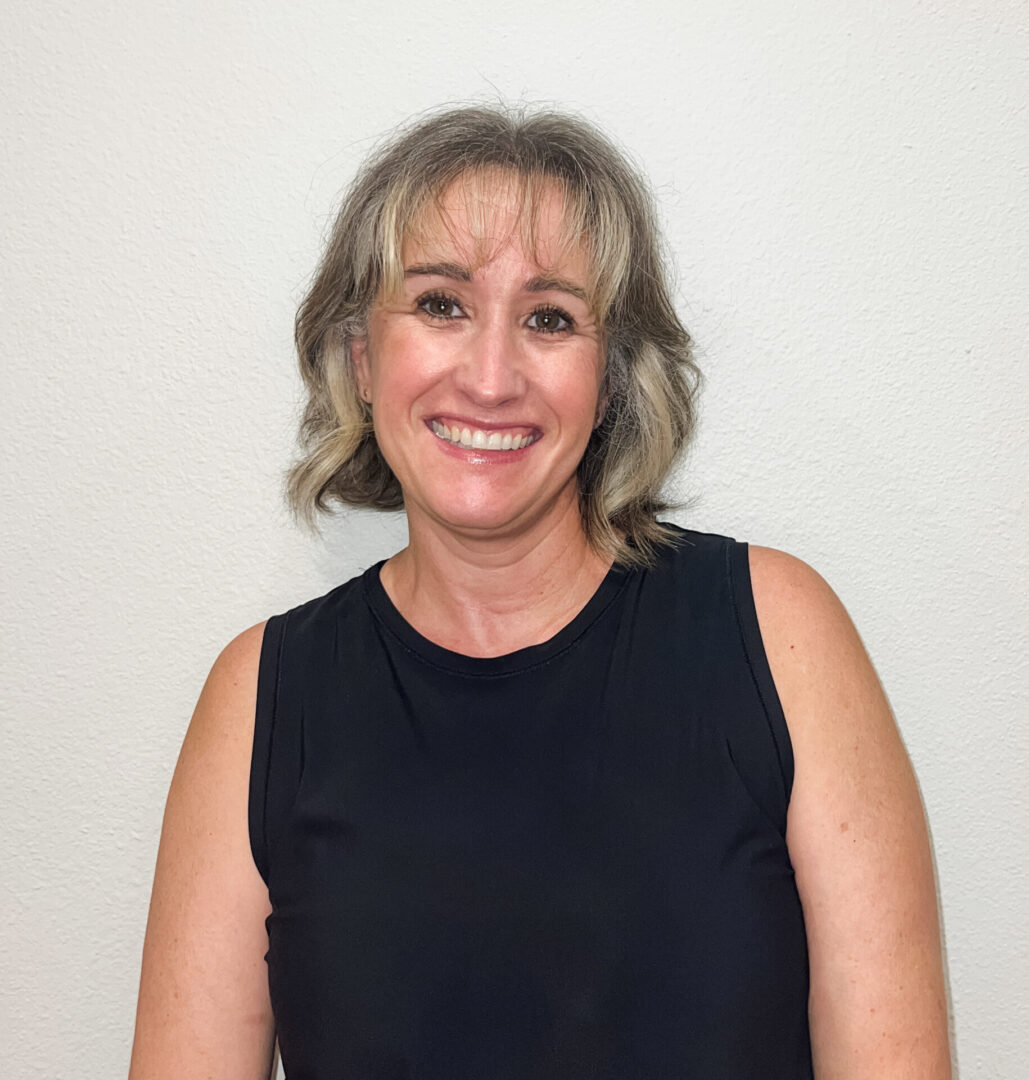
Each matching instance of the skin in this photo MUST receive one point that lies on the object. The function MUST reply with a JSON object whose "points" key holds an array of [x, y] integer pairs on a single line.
{"points": [[857, 840], [487, 529], [496, 561], [203, 1008]]}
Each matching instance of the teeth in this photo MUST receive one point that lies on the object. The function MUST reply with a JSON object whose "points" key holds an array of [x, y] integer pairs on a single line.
{"points": [[480, 440]]}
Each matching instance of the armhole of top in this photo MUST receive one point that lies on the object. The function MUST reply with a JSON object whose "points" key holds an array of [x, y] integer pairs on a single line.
{"points": [[738, 560], [264, 730]]}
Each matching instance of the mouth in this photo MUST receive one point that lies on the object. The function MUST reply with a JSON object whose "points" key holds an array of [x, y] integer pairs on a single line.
{"points": [[474, 438]]}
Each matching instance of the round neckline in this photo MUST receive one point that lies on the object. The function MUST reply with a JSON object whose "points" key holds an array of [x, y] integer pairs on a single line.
{"points": [[507, 663]]}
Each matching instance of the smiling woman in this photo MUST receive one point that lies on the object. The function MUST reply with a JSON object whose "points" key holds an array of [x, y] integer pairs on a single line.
{"points": [[474, 350], [448, 196], [559, 790]]}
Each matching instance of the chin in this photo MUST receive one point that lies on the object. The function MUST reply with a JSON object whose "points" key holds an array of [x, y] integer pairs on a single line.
{"points": [[479, 520], [486, 508], [496, 517]]}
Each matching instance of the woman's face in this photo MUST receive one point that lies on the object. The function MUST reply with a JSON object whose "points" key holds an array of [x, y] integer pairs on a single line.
{"points": [[485, 374]]}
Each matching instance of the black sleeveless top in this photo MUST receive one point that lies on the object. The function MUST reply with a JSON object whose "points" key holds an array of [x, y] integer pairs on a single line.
{"points": [[566, 863]]}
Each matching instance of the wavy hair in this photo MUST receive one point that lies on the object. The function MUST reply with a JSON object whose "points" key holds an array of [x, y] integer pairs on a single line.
{"points": [[651, 378]]}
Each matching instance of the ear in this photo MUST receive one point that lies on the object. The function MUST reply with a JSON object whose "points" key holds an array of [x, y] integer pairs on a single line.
{"points": [[358, 349]]}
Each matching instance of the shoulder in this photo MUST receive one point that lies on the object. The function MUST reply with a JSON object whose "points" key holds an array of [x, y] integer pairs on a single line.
{"points": [[789, 591], [232, 682], [814, 650], [241, 655], [323, 613], [850, 761], [837, 713], [846, 744], [219, 737]]}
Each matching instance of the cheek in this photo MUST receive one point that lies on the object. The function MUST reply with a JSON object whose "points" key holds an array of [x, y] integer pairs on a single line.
{"points": [[579, 396], [406, 360]]}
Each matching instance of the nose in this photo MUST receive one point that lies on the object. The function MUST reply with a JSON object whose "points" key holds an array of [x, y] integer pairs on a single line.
{"points": [[491, 372]]}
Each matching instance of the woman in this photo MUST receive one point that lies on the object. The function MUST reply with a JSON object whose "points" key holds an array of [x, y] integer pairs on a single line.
{"points": [[514, 803]]}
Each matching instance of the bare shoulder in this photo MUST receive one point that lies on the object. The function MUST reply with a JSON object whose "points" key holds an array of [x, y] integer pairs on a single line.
{"points": [[234, 672], [846, 743], [219, 737], [826, 681], [203, 1004], [804, 625], [856, 836]]}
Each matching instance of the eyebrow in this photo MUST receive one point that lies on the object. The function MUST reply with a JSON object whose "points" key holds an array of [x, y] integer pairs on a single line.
{"points": [[461, 273], [442, 269], [547, 284]]}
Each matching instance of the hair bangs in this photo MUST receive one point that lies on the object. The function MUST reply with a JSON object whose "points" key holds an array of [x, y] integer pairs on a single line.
{"points": [[423, 214]]}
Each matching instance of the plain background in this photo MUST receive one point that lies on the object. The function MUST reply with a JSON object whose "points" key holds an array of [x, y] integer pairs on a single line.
{"points": [[844, 189]]}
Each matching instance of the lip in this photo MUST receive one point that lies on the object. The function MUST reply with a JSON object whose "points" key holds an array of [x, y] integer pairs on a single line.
{"points": [[481, 455], [452, 420]]}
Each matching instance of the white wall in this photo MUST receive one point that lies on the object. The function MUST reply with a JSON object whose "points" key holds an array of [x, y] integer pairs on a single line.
{"points": [[844, 186]]}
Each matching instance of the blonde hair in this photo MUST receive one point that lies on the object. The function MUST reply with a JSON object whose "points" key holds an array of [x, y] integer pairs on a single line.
{"points": [[651, 379]]}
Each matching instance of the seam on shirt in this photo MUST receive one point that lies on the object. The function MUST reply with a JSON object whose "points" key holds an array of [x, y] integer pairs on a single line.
{"points": [[735, 585], [273, 720]]}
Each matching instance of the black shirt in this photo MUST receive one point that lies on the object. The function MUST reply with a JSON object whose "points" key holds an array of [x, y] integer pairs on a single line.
{"points": [[567, 862]]}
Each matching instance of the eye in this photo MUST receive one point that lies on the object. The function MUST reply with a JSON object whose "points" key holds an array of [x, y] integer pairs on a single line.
{"points": [[550, 320], [440, 306]]}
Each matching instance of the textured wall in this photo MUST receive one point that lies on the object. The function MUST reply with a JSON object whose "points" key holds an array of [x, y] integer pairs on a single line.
{"points": [[844, 188]]}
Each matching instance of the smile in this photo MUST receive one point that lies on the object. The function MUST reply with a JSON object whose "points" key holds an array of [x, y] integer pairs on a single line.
{"points": [[477, 439]]}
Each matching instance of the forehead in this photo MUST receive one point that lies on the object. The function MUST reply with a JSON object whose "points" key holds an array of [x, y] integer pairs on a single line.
{"points": [[480, 215]]}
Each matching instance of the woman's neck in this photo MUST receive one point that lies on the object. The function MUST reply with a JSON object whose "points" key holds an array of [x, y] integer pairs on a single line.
{"points": [[491, 597]]}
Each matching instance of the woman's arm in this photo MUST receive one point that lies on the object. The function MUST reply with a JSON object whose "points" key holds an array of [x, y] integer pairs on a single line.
{"points": [[857, 840], [203, 997]]}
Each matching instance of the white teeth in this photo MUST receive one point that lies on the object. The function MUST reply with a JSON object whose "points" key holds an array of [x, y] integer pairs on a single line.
{"points": [[478, 439]]}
